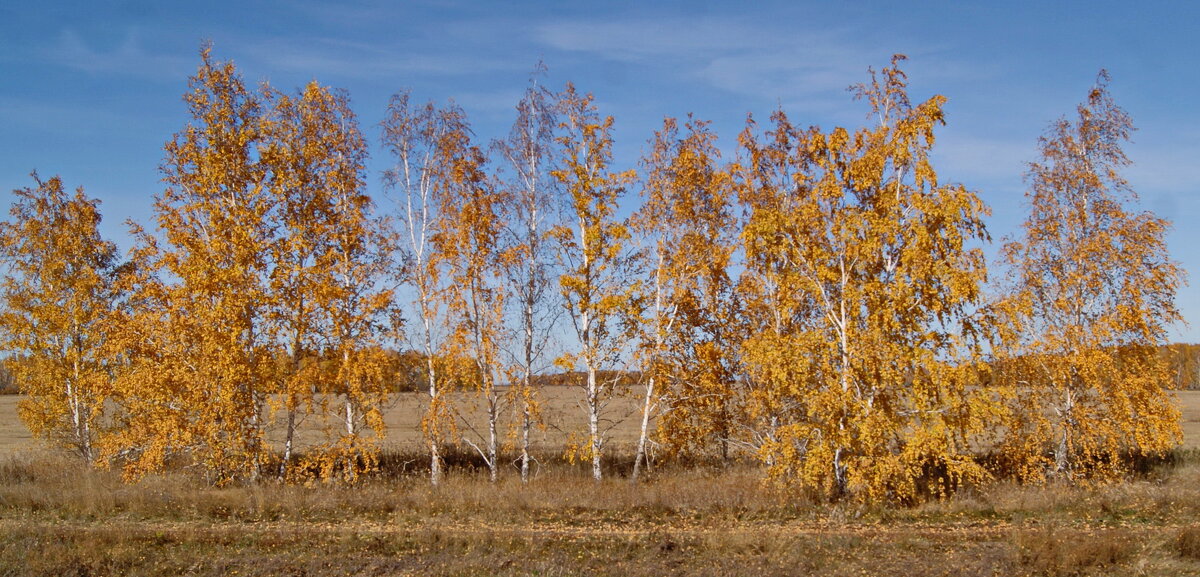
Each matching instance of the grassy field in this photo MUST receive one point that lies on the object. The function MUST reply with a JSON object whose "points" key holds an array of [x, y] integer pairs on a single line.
{"points": [[58, 518]]}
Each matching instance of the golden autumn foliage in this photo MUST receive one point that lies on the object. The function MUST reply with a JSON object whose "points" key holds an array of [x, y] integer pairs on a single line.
{"points": [[58, 299], [816, 305], [467, 241], [1092, 294], [591, 248], [199, 375], [860, 273], [329, 259], [685, 220], [435, 167], [266, 249]]}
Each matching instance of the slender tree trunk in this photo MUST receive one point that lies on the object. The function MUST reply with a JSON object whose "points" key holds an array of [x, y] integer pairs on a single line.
{"points": [[435, 458], [659, 341], [350, 425], [593, 403], [81, 442], [288, 439], [290, 432], [641, 447], [527, 377], [493, 437], [80, 410], [527, 321], [527, 390], [1062, 456], [526, 419]]}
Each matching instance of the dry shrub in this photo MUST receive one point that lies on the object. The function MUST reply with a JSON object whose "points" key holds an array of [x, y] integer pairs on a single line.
{"points": [[1055, 551], [1187, 544]]}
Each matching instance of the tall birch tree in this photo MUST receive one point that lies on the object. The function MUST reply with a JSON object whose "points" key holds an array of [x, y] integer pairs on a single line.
{"points": [[330, 259], [201, 367], [593, 251], [1093, 293], [867, 275], [419, 138], [58, 297], [685, 221], [468, 237], [531, 215]]}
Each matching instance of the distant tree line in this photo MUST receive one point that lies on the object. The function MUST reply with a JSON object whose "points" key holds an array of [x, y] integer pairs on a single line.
{"points": [[819, 303]]}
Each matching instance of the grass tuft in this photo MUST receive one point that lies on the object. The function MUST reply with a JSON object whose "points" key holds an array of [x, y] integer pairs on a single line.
{"points": [[1054, 551], [1187, 544]]}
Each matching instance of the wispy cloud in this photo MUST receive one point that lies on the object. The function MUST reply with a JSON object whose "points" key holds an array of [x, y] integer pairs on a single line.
{"points": [[644, 40], [327, 57], [795, 67], [129, 58], [1164, 161], [986, 159], [60, 120]]}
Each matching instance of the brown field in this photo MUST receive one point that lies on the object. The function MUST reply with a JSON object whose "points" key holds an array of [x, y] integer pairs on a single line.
{"points": [[59, 518], [561, 410]]}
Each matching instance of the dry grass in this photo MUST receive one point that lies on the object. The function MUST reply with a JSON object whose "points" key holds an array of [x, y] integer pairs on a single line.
{"points": [[1188, 543], [1055, 551], [59, 518]]}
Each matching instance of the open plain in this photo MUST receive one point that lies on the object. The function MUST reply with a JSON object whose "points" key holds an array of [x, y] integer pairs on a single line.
{"points": [[59, 518]]}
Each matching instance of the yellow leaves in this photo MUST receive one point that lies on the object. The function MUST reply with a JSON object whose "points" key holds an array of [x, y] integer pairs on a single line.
{"points": [[59, 299], [327, 263], [347, 461], [1092, 291], [864, 277], [268, 252], [832, 326], [595, 261]]}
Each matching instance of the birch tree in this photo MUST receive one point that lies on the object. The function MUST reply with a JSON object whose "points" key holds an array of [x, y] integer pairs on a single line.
{"points": [[467, 239], [58, 295], [329, 261], [867, 275], [592, 249], [1093, 292], [416, 137], [201, 362], [531, 215], [686, 222]]}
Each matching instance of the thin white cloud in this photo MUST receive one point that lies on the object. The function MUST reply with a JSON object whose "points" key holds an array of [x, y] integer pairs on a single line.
{"points": [[129, 58], [325, 57], [643, 40], [1165, 167], [498, 103], [987, 159], [797, 68], [61, 120]]}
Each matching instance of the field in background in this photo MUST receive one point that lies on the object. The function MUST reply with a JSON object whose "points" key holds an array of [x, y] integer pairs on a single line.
{"points": [[561, 410]]}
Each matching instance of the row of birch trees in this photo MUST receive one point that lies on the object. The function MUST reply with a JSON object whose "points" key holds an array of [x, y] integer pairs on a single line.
{"points": [[819, 303]]}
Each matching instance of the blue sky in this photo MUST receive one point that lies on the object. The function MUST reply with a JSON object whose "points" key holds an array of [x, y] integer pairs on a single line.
{"points": [[91, 90]]}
